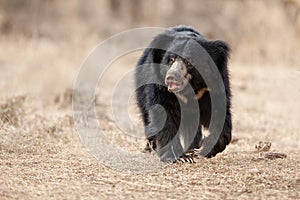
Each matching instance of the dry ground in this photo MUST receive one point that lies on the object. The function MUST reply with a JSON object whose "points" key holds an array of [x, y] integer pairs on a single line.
{"points": [[41, 156]]}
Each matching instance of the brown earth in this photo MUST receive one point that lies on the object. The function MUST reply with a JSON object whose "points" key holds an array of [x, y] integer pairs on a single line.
{"points": [[42, 156]]}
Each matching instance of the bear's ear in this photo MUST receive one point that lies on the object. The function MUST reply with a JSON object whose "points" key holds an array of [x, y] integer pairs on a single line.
{"points": [[219, 52]]}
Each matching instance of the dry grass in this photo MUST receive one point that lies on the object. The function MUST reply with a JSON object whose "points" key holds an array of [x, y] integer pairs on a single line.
{"points": [[11, 111], [43, 158]]}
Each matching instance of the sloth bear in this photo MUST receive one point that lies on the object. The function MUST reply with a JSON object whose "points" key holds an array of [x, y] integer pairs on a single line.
{"points": [[168, 83]]}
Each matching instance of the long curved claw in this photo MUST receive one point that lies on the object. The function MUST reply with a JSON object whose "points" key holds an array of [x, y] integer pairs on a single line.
{"points": [[185, 159]]}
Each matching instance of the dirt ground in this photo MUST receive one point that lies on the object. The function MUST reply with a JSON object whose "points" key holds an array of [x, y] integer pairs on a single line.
{"points": [[42, 157]]}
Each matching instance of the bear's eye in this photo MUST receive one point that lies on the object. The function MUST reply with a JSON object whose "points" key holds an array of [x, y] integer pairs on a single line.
{"points": [[171, 60], [188, 64]]}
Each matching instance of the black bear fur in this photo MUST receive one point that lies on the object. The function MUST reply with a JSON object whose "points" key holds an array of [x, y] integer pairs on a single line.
{"points": [[161, 129]]}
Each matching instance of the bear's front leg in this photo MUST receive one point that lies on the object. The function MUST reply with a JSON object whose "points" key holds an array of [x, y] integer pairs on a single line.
{"points": [[222, 141], [161, 133], [169, 148]]}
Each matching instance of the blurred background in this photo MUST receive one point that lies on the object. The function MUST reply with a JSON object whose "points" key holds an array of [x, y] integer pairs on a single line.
{"points": [[259, 31]]}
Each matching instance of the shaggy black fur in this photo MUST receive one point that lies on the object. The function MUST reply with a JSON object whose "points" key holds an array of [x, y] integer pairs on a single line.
{"points": [[162, 122]]}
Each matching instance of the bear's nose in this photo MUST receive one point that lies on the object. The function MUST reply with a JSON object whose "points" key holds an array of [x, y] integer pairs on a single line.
{"points": [[172, 77]]}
